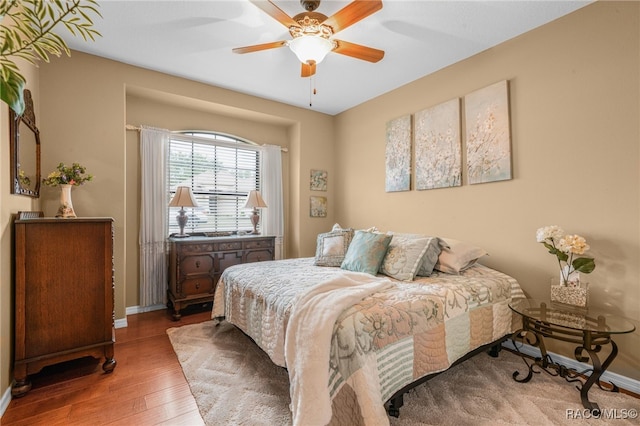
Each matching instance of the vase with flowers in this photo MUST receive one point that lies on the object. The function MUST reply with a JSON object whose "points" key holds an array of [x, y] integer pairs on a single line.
{"points": [[566, 248], [66, 177]]}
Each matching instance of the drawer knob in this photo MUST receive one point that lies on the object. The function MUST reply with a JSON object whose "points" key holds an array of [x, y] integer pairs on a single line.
{"points": [[197, 285], [197, 263]]}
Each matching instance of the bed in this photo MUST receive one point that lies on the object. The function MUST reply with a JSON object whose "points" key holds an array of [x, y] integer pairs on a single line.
{"points": [[354, 342]]}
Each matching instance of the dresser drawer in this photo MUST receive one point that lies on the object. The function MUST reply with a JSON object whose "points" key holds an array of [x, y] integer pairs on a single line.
{"points": [[231, 246], [196, 286], [267, 243], [259, 256], [201, 264], [194, 248]]}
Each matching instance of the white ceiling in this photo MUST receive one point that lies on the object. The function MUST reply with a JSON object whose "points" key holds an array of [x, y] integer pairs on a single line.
{"points": [[193, 39]]}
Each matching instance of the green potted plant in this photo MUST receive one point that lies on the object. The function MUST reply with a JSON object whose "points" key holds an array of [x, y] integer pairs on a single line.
{"points": [[27, 32]]}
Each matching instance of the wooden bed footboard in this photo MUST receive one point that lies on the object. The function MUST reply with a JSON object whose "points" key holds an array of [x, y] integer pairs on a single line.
{"points": [[397, 399]]}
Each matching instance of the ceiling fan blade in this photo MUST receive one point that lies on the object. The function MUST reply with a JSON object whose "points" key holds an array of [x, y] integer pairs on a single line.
{"points": [[275, 12], [352, 13], [358, 51], [308, 69], [258, 47]]}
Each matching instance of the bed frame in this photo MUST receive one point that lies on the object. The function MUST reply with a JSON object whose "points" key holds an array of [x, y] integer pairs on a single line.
{"points": [[397, 400]]}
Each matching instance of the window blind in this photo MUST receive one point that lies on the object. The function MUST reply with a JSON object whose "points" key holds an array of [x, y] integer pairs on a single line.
{"points": [[220, 170]]}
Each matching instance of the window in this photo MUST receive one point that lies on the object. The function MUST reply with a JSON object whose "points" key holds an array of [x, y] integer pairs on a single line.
{"points": [[220, 170]]}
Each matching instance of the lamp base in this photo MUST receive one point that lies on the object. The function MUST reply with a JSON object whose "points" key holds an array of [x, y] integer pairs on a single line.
{"points": [[255, 218], [182, 219]]}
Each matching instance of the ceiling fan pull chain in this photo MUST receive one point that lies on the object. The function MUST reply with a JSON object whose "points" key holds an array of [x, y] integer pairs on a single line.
{"points": [[312, 89]]}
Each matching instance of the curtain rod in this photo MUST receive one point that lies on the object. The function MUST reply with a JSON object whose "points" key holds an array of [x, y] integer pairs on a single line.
{"points": [[138, 128]]}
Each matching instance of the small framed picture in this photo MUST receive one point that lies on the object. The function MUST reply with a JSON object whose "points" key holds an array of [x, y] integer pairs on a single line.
{"points": [[318, 206], [318, 180]]}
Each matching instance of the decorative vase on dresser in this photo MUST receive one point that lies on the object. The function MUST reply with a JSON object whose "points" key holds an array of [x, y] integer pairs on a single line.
{"points": [[196, 263], [63, 294], [66, 205]]}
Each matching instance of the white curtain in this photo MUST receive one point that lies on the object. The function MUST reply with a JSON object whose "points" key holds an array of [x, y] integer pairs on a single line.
{"points": [[153, 217], [271, 188]]}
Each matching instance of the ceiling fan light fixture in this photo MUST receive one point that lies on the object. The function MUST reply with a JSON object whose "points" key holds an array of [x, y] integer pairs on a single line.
{"points": [[311, 48]]}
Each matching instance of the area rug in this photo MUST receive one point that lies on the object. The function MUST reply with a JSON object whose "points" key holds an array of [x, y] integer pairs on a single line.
{"points": [[235, 383]]}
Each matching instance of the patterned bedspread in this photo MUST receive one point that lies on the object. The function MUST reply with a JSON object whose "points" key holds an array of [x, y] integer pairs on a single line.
{"points": [[382, 343]]}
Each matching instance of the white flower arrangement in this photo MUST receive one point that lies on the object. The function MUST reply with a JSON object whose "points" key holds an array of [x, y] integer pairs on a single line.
{"points": [[565, 248]]}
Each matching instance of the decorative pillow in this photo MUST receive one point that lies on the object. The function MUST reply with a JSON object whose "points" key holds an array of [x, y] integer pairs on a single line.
{"points": [[430, 258], [332, 246], [404, 257], [458, 256], [366, 251]]}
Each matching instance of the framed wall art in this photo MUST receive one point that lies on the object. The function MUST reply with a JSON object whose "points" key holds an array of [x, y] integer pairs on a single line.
{"points": [[437, 146], [318, 206], [398, 154], [318, 180], [488, 134]]}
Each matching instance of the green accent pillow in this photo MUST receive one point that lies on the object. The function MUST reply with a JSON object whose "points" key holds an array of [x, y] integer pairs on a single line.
{"points": [[366, 252], [430, 258]]}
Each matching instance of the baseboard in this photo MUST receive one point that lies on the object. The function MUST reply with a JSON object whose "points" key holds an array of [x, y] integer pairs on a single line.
{"points": [[132, 310], [5, 400], [622, 382], [121, 323]]}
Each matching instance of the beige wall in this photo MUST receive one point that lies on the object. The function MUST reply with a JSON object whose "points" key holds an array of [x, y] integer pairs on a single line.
{"points": [[575, 147]]}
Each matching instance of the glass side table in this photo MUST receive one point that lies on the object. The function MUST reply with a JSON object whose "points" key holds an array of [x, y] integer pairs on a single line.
{"points": [[590, 329]]}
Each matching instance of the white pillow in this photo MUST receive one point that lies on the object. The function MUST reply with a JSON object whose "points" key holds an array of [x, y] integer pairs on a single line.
{"points": [[331, 247], [458, 256]]}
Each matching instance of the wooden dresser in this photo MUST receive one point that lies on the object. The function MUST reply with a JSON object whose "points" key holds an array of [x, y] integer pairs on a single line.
{"points": [[63, 294], [196, 264]]}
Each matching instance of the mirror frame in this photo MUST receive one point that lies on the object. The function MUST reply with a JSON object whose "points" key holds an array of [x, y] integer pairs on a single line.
{"points": [[28, 119]]}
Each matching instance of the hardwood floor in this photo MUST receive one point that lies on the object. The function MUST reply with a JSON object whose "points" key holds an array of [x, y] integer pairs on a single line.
{"points": [[147, 386]]}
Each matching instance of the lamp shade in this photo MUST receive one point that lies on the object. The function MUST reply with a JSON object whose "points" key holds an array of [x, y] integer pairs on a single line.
{"points": [[254, 201], [183, 198], [311, 48]]}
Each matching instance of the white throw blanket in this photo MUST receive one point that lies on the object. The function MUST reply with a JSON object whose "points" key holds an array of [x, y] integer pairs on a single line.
{"points": [[308, 340]]}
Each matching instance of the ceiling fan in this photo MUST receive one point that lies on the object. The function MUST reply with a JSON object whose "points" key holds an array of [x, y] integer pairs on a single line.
{"points": [[312, 32]]}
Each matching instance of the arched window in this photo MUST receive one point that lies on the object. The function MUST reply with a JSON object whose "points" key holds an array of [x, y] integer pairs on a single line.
{"points": [[220, 170]]}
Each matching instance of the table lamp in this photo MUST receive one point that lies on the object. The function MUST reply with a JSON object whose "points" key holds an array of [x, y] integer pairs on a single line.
{"points": [[255, 201], [183, 198]]}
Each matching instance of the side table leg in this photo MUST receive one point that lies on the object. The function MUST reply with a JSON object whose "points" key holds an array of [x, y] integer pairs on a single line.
{"points": [[598, 369], [522, 336]]}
